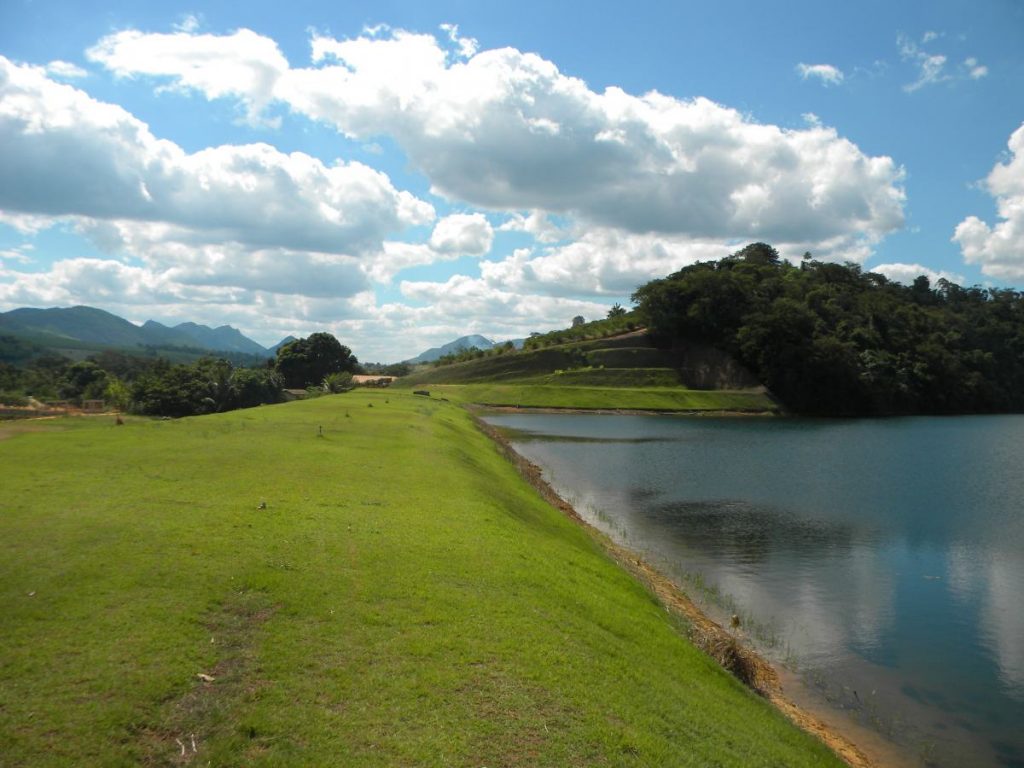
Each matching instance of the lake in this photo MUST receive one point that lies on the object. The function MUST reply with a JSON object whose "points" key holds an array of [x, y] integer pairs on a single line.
{"points": [[883, 560]]}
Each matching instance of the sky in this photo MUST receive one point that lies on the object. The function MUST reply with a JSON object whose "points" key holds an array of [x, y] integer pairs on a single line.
{"points": [[403, 173]]}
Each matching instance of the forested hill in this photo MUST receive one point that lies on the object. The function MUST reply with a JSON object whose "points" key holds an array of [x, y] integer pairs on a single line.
{"points": [[830, 339]]}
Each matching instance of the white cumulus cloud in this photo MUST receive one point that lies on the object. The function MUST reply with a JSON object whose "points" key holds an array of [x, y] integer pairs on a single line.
{"points": [[999, 248], [601, 262], [506, 130], [244, 65], [468, 299], [463, 234], [537, 224], [250, 214]]}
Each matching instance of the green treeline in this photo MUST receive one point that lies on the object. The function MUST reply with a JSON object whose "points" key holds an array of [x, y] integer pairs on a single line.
{"points": [[156, 387], [830, 339]]}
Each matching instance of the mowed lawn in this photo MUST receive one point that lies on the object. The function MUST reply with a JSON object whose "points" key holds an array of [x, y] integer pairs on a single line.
{"points": [[403, 599]]}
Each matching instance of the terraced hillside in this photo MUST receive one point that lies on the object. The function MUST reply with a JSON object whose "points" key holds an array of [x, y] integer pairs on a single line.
{"points": [[624, 371]]}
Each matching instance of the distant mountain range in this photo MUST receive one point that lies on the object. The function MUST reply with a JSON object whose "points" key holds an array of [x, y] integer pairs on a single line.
{"points": [[463, 342], [64, 327], [55, 326]]}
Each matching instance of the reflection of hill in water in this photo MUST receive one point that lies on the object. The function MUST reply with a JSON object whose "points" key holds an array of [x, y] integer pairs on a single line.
{"points": [[526, 436], [754, 531]]}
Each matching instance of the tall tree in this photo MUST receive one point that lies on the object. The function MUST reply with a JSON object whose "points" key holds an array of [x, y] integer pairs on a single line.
{"points": [[305, 362]]}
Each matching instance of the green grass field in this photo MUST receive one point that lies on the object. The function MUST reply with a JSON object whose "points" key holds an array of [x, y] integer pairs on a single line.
{"points": [[403, 599], [531, 395]]}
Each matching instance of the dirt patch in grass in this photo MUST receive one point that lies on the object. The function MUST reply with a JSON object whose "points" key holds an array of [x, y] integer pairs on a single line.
{"points": [[206, 705], [741, 661], [9, 429]]}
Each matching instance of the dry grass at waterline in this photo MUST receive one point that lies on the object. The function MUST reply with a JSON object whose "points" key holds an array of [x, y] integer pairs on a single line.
{"points": [[323, 583]]}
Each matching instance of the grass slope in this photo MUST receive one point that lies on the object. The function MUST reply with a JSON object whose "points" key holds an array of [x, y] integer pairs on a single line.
{"points": [[531, 395], [618, 372], [403, 599]]}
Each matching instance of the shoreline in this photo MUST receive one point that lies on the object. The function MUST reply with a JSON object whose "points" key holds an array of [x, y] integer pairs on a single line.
{"points": [[475, 408], [869, 750]]}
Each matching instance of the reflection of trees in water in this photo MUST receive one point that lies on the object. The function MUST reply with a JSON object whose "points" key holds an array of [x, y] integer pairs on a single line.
{"points": [[741, 528]]}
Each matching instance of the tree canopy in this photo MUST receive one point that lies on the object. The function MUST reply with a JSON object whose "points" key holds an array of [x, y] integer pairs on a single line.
{"points": [[831, 339], [306, 362]]}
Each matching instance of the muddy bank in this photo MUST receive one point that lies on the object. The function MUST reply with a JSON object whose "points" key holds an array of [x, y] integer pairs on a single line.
{"points": [[868, 751]]}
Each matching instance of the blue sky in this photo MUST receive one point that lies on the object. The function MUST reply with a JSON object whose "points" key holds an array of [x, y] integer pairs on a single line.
{"points": [[402, 173]]}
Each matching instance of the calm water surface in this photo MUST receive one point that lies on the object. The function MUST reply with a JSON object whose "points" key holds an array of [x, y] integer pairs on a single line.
{"points": [[883, 559]]}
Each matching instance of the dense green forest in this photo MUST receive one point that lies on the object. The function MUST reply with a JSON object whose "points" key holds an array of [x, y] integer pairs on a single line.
{"points": [[830, 339]]}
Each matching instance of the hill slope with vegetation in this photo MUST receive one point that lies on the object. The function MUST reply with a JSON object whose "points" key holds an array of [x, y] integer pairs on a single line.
{"points": [[823, 338], [291, 588], [75, 331], [831, 339], [605, 364]]}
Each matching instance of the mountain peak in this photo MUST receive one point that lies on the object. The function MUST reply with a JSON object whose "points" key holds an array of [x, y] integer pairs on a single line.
{"points": [[463, 342]]}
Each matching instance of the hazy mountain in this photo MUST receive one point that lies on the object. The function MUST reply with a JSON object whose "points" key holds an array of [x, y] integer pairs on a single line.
{"points": [[464, 342], [286, 340], [77, 323], [223, 338], [95, 326], [160, 335]]}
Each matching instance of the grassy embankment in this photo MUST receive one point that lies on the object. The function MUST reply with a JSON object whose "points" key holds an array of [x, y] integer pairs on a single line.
{"points": [[531, 395], [623, 373], [403, 599]]}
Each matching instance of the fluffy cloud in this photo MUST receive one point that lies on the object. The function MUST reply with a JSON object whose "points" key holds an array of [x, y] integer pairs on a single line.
{"points": [[462, 234], [602, 262], [467, 299], [244, 65], [506, 130], [454, 236], [64, 153], [279, 270], [95, 281], [606, 262], [537, 224], [249, 216], [999, 249], [826, 73]]}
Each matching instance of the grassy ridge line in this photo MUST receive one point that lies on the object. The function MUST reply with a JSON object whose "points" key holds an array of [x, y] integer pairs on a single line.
{"points": [[404, 599], [528, 395]]}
